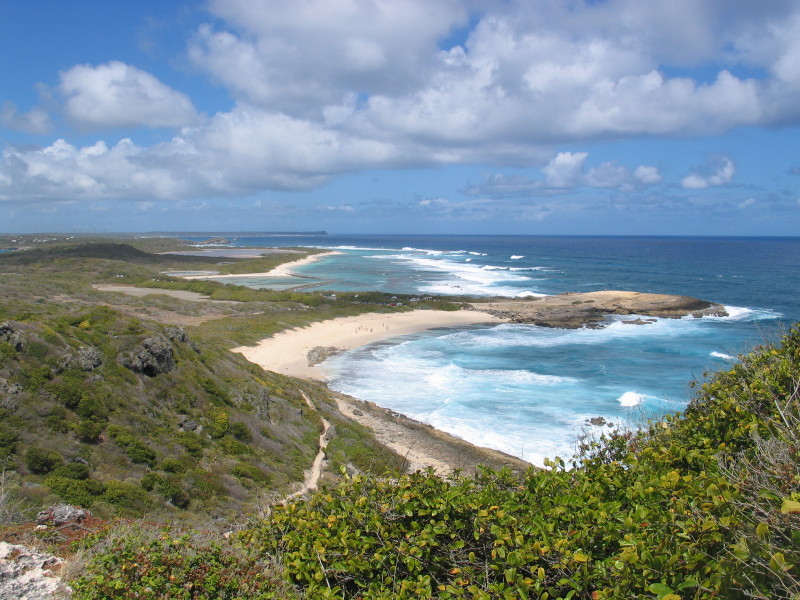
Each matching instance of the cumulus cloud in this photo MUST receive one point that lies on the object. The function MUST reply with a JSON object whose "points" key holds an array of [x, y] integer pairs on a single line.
{"points": [[324, 87], [119, 95], [718, 171]]}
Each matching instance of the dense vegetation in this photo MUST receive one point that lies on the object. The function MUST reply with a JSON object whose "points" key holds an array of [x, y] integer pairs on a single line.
{"points": [[702, 505]]}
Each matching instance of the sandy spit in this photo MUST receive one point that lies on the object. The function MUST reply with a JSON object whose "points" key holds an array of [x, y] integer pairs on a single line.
{"points": [[284, 270]]}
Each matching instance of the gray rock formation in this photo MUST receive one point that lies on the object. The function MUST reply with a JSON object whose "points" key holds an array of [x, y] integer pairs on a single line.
{"points": [[12, 335], [58, 514], [152, 357], [29, 575]]}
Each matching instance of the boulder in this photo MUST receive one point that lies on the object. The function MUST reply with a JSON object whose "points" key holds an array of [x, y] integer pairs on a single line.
{"points": [[58, 514], [152, 357]]}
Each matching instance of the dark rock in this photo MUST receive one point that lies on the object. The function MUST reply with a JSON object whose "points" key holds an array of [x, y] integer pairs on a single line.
{"points": [[11, 335], [331, 433], [58, 514], [187, 424], [358, 413], [319, 354], [176, 334], [597, 421], [152, 357], [88, 358]]}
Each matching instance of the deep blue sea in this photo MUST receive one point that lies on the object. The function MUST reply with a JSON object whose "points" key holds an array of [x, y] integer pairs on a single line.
{"points": [[527, 390]]}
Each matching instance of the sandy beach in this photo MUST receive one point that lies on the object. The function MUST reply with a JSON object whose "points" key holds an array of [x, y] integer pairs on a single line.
{"points": [[287, 352], [284, 270]]}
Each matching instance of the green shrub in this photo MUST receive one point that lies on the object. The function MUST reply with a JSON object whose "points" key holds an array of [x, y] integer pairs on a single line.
{"points": [[173, 465], [42, 460], [36, 350], [88, 432], [74, 491], [138, 452], [217, 422], [240, 431], [56, 421], [150, 481], [131, 498], [72, 471], [70, 389], [247, 471], [192, 443], [8, 442], [92, 407], [166, 565]]}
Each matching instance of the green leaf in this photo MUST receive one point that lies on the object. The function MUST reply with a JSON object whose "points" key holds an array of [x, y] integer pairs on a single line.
{"points": [[790, 507], [660, 589]]}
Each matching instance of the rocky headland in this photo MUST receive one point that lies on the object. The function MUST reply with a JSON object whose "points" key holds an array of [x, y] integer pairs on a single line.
{"points": [[572, 310]]}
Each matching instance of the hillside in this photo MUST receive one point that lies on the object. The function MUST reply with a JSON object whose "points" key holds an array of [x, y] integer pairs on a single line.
{"points": [[134, 406], [701, 505]]}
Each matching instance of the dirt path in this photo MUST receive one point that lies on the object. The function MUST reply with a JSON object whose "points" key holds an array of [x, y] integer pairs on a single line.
{"points": [[132, 290], [313, 474]]}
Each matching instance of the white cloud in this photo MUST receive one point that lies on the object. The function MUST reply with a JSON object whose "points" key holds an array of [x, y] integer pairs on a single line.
{"points": [[324, 87], [718, 171], [37, 120], [119, 95], [647, 175], [565, 170]]}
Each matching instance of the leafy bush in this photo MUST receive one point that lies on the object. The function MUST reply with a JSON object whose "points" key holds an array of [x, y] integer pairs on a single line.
{"points": [[42, 460], [192, 443], [240, 431], [165, 565], [244, 470], [131, 498], [72, 471], [88, 432], [173, 465], [8, 442], [73, 491]]}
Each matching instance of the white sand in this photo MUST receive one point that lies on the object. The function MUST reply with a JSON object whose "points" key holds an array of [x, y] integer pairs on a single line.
{"points": [[287, 352], [284, 270]]}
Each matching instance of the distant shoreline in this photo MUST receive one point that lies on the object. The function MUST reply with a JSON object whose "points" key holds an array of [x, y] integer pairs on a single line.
{"points": [[282, 270]]}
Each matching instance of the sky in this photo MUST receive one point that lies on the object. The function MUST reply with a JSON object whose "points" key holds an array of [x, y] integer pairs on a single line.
{"points": [[584, 117]]}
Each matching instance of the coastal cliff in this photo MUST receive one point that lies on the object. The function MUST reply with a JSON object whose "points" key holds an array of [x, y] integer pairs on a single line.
{"points": [[572, 311]]}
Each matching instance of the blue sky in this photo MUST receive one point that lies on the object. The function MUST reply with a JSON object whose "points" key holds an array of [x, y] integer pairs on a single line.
{"points": [[623, 117]]}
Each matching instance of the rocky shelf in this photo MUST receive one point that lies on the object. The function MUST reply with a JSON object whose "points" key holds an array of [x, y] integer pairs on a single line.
{"points": [[572, 311]]}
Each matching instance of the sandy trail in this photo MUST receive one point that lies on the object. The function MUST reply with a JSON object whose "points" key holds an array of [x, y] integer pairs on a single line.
{"points": [[313, 474]]}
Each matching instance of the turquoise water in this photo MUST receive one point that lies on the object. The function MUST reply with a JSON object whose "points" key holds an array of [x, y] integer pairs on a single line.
{"points": [[527, 390]]}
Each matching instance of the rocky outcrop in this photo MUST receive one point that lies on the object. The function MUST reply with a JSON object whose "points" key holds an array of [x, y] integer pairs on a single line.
{"points": [[58, 514], [11, 334], [319, 354], [152, 357], [25, 573], [572, 311], [87, 358]]}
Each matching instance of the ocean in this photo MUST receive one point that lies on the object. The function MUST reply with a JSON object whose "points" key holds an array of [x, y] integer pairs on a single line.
{"points": [[531, 391]]}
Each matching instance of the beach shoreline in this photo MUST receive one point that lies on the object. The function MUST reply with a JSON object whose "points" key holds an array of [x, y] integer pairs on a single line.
{"points": [[282, 270], [287, 352]]}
